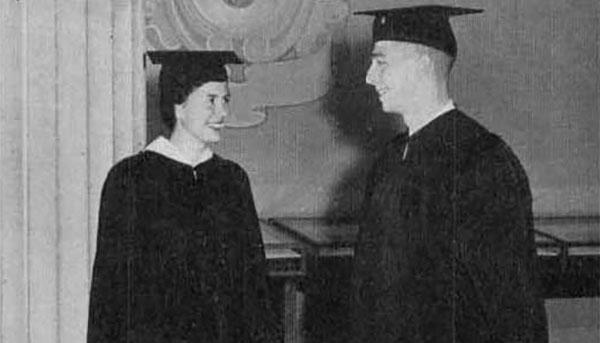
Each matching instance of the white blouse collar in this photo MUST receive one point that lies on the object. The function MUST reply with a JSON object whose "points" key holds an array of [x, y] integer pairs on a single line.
{"points": [[164, 147]]}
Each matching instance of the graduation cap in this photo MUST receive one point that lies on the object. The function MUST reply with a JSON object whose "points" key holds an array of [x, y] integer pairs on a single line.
{"points": [[195, 66], [182, 71], [427, 25]]}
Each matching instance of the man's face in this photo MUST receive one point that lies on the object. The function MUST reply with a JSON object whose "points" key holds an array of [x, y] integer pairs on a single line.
{"points": [[394, 72]]}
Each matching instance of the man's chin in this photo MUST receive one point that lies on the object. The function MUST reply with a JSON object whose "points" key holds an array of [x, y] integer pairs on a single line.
{"points": [[388, 107]]}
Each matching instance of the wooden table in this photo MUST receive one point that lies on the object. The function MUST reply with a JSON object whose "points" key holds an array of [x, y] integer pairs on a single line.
{"points": [[575, 236], [568, 250], [569, 254]]}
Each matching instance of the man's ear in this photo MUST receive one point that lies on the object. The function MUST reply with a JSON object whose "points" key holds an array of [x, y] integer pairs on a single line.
{"points": [[418, 53]]}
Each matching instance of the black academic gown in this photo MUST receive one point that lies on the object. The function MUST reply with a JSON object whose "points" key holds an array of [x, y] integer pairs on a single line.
{"points": [[446, 250], [179, 255]]}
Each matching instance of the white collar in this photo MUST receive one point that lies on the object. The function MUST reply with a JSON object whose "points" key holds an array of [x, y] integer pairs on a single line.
{"points": [[164, 147], [448, 107]]}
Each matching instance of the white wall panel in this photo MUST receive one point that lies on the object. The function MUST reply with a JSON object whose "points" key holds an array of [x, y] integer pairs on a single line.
{"points": [[71, 104], [41, 168], [72, 170], [13, 265]]}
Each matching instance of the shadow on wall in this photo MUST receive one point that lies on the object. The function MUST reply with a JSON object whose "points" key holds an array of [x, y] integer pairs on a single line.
{"points": [[360, 122]]}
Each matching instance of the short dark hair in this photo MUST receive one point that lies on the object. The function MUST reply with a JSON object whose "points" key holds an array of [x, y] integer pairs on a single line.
{"points": [[442, 61], [176, 83]]}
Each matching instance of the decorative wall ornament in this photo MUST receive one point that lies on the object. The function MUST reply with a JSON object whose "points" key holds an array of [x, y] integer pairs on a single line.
{"points": [[239, 3], [283, 42]]}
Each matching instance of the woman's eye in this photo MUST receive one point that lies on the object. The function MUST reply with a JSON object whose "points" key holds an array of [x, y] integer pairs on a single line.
{"points": [[226, 99], [211, 100]]}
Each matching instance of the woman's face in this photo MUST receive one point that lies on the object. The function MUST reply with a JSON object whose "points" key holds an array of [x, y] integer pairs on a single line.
{"points": [[203, 113]]}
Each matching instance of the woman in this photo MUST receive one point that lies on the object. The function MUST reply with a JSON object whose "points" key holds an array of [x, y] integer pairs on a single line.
{"points": [[180, 256]]}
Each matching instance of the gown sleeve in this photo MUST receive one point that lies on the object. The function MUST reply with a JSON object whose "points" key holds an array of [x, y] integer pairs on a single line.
{"points": [[478, 266], [364, 274], [259, 320], [495, 252], [110, 289]]}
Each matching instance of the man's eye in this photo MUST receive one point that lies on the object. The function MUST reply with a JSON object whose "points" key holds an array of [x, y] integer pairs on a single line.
{"points": [[226, 99], [212, 100]]}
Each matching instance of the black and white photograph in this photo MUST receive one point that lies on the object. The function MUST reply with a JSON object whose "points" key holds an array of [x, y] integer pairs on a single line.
{"points": [[299, 171]]}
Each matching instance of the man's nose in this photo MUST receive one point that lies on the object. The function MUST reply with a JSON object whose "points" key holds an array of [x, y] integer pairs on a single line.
{"points": [[370, 78]]}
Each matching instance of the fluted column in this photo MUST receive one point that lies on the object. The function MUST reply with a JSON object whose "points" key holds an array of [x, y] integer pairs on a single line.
{"points": [[72, 103], [13, 286]]}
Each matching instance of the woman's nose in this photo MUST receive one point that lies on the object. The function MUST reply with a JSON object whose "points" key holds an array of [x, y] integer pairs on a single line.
{"points": [[222, 110]]}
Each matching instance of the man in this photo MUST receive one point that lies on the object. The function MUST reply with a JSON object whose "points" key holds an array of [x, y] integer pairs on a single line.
{"points": [[445, 251]]}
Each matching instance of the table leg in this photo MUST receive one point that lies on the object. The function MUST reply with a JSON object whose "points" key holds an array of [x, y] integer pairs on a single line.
{"points": [[293, 312]]}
